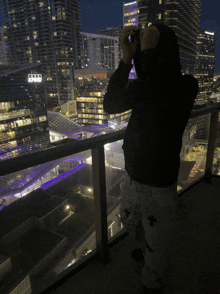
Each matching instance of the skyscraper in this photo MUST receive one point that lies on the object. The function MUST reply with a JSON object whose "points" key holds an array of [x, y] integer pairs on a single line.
{"points": [[116, 32], [100, 58], [205, 65], [99, 51], [45, 32]]}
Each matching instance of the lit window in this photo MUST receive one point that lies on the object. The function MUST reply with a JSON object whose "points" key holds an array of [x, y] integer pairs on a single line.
{"points": [[53, 17]]}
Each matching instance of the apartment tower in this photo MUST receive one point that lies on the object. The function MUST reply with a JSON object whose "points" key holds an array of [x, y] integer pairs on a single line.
{"points": [[45, 32]]}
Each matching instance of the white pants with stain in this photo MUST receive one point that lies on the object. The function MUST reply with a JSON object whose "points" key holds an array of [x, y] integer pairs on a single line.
{"points": [[156, 209]]}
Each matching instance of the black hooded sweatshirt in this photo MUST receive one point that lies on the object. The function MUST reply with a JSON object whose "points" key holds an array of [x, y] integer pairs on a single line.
{"points": [[161, 100]]}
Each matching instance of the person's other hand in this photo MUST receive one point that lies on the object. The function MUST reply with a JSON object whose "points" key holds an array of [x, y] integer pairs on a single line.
{"points": [[149, 37], [129, 49]]}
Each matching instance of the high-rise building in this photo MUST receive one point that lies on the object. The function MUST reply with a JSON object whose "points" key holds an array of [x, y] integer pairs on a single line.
{"points": [[205, 65], [181, 16], [99, 51], [45, 32], [100, 58], [115, 32], [23, 114], [91, 87]]}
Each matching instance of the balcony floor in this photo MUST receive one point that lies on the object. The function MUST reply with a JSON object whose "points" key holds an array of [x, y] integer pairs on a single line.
{"points": [[196, 268]]}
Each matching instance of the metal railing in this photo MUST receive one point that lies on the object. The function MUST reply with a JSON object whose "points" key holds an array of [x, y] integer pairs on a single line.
{"points": [[98, 169]]}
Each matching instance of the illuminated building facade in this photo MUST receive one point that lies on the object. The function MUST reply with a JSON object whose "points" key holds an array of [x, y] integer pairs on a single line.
{"points": [[91, 87], [115, 32], [181, 16], [99, 51], [45, 32], [100, 58], [23, 114], [205, 65]]}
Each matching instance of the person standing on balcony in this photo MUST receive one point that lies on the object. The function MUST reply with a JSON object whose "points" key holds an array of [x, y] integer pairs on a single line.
{"points": [[161, 100]]}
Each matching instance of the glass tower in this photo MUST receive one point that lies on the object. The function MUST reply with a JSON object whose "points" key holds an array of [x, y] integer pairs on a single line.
{"points": [[45, 32]]}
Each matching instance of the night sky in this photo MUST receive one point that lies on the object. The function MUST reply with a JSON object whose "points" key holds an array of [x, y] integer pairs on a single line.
{"points": [[96, 15]]}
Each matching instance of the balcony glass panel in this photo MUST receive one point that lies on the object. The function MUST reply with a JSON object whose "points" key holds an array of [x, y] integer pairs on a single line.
{"points": [[46, 221], [194, 151], [216, 159], [115, 173], [192, 166]]}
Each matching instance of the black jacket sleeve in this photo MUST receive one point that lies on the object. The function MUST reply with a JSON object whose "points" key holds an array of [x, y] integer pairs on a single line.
{"points": [[118, 97]]}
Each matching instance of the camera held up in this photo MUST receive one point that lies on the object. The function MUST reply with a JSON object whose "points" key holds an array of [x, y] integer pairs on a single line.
{"points": [[138, 55]]}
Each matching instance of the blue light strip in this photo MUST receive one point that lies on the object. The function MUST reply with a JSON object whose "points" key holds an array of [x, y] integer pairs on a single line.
{"points": [[54, 179]]}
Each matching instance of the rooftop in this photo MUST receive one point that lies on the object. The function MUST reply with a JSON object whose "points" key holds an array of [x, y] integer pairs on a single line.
{"points": [[28, 250]]}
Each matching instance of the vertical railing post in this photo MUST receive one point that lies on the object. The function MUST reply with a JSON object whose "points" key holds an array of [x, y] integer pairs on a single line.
{"points": [[213, 135], [99, 191]]}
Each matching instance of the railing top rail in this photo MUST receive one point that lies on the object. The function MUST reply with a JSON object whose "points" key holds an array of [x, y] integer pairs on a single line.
{"points": [[33, 159], [203, 111]]}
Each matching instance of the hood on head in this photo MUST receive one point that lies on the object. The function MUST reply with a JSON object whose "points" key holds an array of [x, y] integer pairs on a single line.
{"points": [[163, 60]]}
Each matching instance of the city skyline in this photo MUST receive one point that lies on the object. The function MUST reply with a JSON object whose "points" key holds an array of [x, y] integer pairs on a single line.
{"points": [[96, 15]]}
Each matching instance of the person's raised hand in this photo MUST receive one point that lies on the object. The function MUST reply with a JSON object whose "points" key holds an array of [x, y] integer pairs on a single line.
{"points": [[149, 37], [129, 49]]}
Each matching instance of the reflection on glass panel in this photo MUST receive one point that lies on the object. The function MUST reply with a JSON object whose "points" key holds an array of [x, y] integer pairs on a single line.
{"points": [[194, 151], [115, 172], [216, 159], [192, 166], [46, 220]]}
